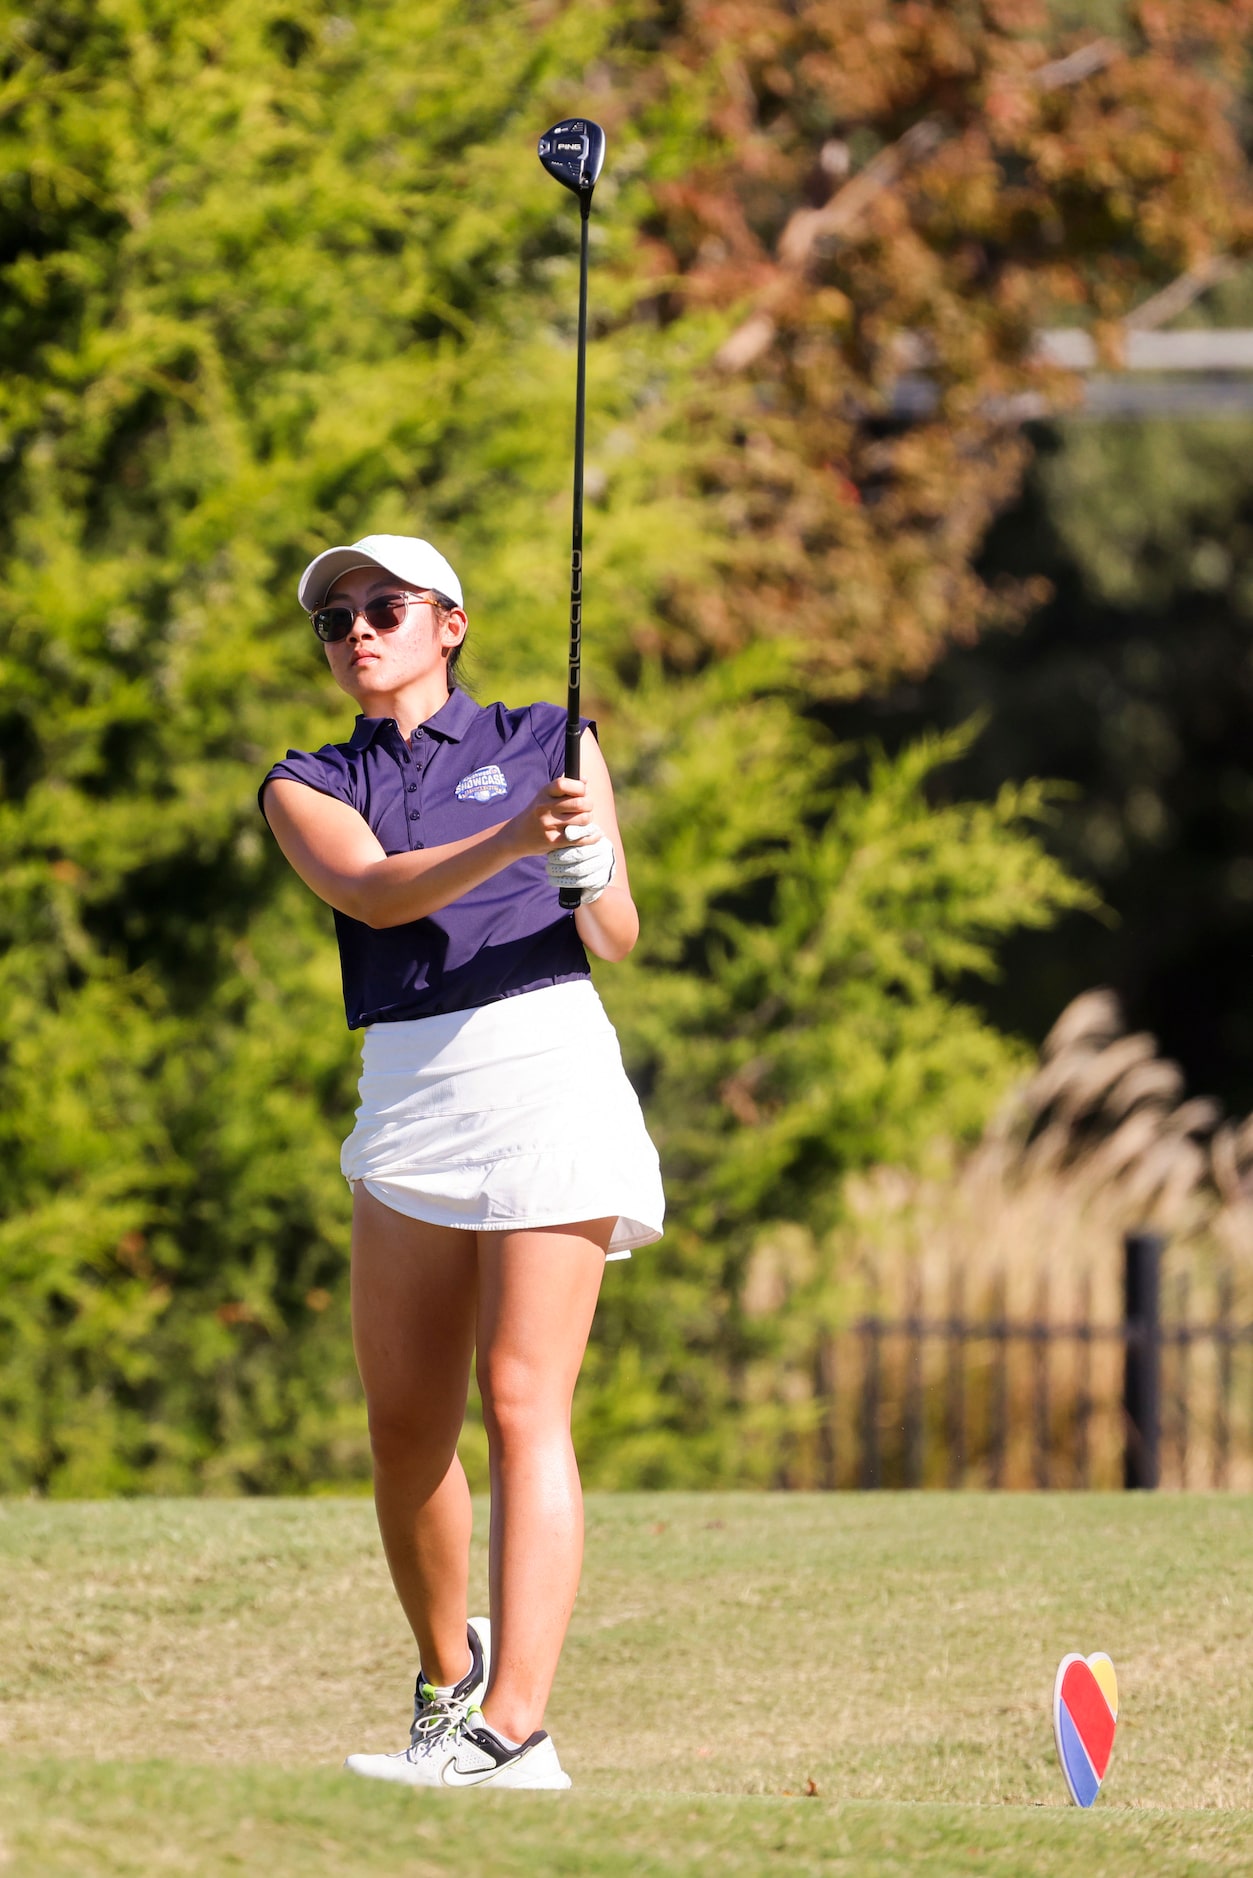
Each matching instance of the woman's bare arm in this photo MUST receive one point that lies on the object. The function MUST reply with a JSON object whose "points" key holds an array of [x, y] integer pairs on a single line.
{"points": [[338, 855]]}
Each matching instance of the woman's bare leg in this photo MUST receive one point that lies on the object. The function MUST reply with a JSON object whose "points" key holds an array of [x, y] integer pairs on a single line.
{"points": [[414, 1295], [537, 1295]]}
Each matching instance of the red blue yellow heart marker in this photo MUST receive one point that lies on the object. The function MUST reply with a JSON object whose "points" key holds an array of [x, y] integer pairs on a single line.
{"points": [[1085, 1714]]}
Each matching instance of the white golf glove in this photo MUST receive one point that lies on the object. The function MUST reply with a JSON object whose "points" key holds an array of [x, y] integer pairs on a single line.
{"points": [[587, 864]]}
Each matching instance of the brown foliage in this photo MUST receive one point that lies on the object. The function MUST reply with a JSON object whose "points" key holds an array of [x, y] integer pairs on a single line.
{"points": [[914, 187]]}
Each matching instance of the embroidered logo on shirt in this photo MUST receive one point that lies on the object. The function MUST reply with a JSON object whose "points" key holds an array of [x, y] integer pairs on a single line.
{"points": [[482, 784]]}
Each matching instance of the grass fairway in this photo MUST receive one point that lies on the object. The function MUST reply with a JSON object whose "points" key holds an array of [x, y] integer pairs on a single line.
{"points": [[752, 1683]]}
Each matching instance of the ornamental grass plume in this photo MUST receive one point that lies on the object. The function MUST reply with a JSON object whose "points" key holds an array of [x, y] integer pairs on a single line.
{"points": [[1027, 1228], [1099, 1140]]}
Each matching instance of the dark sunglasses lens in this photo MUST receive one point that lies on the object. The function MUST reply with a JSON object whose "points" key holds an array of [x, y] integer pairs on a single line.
{"points": [[387, 612], [332, 623]]}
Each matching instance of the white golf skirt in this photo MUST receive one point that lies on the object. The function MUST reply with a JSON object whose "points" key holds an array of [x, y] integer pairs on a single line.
{"points": [[511, 1115]]}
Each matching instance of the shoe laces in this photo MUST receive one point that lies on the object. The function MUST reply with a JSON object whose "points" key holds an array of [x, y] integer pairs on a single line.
{"points": [[439, 1714]]}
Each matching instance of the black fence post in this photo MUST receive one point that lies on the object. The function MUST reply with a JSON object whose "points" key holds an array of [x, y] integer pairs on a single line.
{"points": [[1222, 1331], [871, 1475], [1142, 1375], [955, 1380], [825, 1397], [914, 1405]]}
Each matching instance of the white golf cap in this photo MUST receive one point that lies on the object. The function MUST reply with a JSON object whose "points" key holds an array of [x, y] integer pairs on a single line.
{"points": [[412, 561]]}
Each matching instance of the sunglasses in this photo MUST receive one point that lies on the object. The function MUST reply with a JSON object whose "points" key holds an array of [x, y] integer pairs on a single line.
{"points": [[383, 613]]}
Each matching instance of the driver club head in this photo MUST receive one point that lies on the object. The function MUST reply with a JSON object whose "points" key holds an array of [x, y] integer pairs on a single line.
{"points": [[573, 151]]}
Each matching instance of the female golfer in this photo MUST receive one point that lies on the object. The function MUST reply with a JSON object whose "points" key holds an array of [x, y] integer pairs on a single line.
{"points": [[499, 1154]]}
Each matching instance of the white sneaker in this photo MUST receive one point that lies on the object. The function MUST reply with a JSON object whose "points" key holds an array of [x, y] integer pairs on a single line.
{"points": [[475, 1756], [436, 1715]]}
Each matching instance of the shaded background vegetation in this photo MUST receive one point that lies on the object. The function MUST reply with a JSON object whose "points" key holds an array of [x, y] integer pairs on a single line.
{"points": [[275, 274], [1135, 683]]}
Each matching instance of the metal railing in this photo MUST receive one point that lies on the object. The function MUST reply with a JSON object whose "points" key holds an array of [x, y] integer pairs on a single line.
{"points": [[954, 1399]]}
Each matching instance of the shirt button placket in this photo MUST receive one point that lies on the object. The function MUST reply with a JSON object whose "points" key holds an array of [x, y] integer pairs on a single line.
{"points": [[414, 788]]}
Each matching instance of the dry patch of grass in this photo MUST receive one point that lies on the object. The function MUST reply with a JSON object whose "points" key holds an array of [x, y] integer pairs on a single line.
{"points": [[179, 1682]]}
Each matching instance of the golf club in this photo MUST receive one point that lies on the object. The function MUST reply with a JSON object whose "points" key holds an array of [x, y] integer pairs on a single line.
{"points": [[573, 151]]}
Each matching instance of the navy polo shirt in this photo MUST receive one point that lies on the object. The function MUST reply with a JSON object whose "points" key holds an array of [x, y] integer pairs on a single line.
{"points": [[467, 768]]}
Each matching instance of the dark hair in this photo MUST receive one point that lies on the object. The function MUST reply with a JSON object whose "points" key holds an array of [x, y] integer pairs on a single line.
{"points": [[456, 677]]}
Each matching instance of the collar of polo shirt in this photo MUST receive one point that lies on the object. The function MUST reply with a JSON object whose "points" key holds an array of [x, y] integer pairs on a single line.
{"points": [[451, 721]]}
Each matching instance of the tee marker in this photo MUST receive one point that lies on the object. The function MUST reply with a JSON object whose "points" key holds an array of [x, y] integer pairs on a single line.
{"points": [[1085, 1715]]}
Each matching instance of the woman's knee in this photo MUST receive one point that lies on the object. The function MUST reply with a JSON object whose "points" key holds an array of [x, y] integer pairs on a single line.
{"points": [[519, 1403], [404, 1439]]}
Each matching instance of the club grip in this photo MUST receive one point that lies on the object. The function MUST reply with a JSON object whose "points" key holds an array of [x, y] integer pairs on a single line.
{"points": [[570, 897]]}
